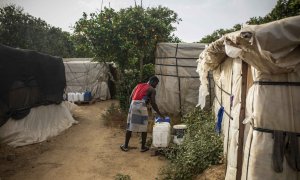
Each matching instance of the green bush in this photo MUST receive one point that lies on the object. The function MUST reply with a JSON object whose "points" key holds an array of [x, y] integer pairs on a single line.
{"points": [[128, 80], [122, 177], [148, 71], [201, 148]]}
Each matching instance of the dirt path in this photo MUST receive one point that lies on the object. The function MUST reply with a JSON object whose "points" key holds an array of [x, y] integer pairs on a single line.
{"points": [[88, 150]]}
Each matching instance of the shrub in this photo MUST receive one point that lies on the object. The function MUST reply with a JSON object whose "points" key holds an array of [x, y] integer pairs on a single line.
{"points": [[201, 148], [122, 177], [148, 71], [128, 80]]}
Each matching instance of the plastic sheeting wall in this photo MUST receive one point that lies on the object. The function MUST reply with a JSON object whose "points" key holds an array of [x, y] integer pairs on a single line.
{"points": [[40, 124], [272, 105], [83, 75], [227, 79], [28, 79], [175, 66]]}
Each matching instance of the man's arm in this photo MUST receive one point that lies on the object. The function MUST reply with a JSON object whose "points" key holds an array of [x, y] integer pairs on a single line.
{"points": [[152, 94]]}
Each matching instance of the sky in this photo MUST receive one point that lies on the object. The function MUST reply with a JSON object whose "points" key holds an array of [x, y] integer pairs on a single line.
{"points": [[199, 17]]}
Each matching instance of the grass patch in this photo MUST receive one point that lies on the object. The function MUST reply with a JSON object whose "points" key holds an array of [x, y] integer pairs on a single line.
{"points": [[201, 148], [122, 177]]}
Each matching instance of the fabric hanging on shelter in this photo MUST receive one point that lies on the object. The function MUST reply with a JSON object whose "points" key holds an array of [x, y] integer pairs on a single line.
{"points": [[219, 120], [39, 125], [28, 79], [175, 66], [82, 74], [273, 52]]}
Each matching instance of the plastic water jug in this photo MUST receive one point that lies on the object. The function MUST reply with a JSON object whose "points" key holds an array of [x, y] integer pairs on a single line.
{"points": [[87, 96], [179, 131], [71, 97], [81, 97], [167, 119], [76, 97], [161, 134], [160, 119]]}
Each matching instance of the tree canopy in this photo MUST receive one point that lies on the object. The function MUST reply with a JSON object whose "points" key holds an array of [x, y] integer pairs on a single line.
{"points": [[19, 29], [282, 9], [127, 37]]}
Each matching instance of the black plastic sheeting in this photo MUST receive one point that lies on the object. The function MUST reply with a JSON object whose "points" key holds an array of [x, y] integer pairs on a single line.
{"points": [[28, 79]]}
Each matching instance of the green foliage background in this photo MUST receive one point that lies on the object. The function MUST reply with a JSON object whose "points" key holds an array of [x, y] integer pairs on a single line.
{"points": [[128, 81], [19, 29], [127, 37], [283, 9], [202, 147]]}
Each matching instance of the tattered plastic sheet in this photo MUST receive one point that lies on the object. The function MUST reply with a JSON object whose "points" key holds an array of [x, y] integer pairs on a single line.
{"points": [[84, 75], [175, 66], [42, 123], [273, 52]]}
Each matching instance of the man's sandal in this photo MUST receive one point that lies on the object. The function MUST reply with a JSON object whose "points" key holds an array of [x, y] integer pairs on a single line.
{"points": [[144, 149], [123, 148]]}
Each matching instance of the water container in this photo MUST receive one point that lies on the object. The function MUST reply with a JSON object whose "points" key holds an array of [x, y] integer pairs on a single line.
{"points": [[159, 119], [161, 134], [71, 97], [167, 119], [179, 131], [87, 96], [81, 97], [76, 97]]}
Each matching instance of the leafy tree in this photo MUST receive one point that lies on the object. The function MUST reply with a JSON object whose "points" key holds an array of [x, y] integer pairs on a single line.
{"points": [[95, 34], [217, 34], [283, 9], [127, 37], [18, 29]]}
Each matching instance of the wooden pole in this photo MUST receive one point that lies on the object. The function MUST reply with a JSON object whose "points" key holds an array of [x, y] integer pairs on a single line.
{"points": [[177, 73], [241, 118]]}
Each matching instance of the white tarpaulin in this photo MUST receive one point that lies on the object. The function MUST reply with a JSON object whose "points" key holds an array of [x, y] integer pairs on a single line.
{"points": [[84, 75], [175, 66], [40, 124], [272, 145]]}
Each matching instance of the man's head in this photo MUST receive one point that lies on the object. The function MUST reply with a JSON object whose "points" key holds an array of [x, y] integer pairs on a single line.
{"points": [[153, 81]]}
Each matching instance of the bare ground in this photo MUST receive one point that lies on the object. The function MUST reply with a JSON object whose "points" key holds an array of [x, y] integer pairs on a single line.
{"points": [[216, 172], [88, 150]]}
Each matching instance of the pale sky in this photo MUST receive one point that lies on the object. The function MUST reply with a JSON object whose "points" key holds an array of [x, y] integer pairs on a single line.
{"points": [[199, 17]]}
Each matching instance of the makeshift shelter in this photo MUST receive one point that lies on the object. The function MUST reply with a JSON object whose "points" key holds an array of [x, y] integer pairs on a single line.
{"points": [[175, 66], [257, 75], [82, 74], [31, 94]]}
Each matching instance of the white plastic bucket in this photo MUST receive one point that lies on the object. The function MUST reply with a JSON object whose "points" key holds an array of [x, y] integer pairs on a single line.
{"points": [[76, 97], [71, 97], [161, 134], [179, 131], [81, 97]]}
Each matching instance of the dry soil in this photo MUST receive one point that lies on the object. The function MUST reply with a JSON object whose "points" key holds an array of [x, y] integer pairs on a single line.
{"points": [[88, 150]]}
